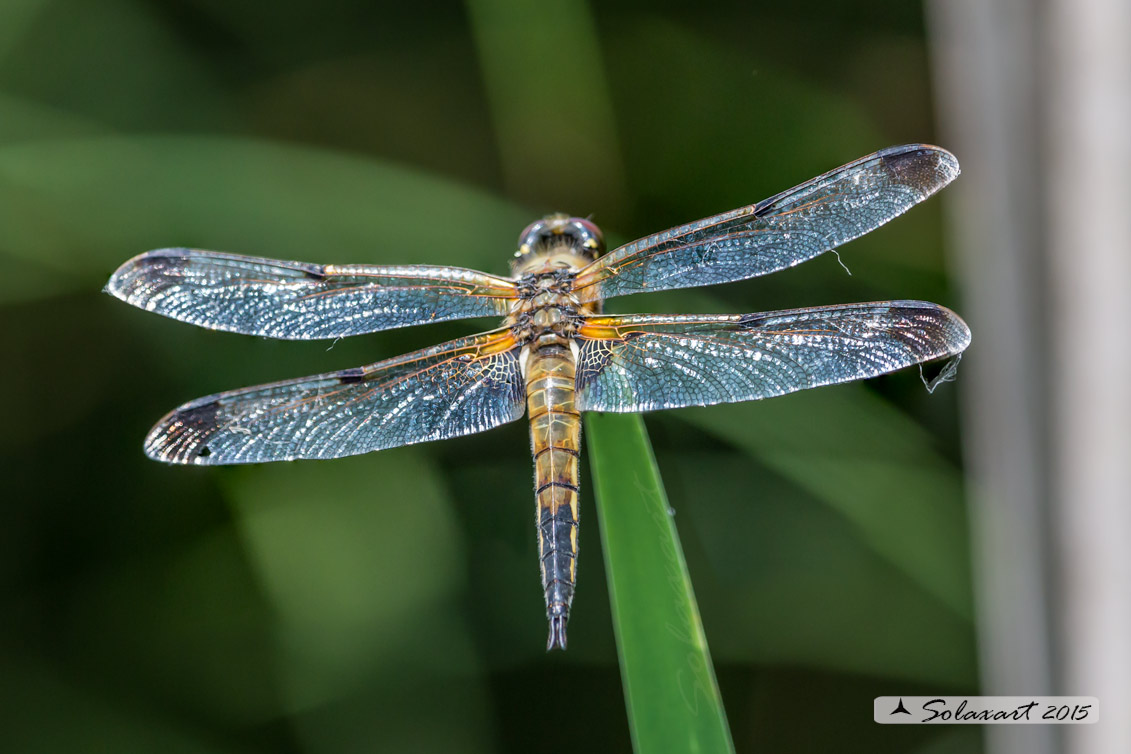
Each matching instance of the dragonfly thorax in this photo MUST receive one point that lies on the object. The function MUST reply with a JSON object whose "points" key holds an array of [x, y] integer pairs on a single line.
{"points": [[547, 312], [545, 319]]}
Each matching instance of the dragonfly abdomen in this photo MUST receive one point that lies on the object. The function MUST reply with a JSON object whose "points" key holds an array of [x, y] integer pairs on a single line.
{"points": [[555, 435]]}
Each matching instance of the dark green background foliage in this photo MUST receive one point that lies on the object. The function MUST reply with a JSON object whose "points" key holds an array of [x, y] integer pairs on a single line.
{"points": [[390, 602]]}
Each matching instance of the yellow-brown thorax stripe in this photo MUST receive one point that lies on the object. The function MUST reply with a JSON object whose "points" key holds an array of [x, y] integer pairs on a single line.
{"points": [[555, 435]]}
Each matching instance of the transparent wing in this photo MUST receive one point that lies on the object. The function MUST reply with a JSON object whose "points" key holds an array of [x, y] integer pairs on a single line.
{"points": [[647, 362], [300, 301], [456, 388], [779, 232]]}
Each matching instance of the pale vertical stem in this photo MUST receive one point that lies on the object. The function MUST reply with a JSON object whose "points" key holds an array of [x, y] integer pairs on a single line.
{"points": [[1088, 74], [986, 67], [1038, 100]]}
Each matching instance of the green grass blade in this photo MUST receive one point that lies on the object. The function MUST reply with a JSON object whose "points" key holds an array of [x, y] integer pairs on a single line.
{"points": [[669, 683], [529, 74]]}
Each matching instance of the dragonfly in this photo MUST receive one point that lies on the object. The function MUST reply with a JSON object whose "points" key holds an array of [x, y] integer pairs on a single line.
{"points": [[555, 354]]}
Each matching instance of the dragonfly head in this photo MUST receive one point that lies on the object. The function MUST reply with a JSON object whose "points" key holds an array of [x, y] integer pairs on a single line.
{"points": [[560, 232]]}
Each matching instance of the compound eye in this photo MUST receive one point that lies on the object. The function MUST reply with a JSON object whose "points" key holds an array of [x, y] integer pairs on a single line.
{"points": [[530, 235], [589, 234]]}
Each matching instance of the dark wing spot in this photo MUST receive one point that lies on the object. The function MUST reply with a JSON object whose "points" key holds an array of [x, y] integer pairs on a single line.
{"points": [[351, 376], [750, 321], [924, 168], [314, 271]]}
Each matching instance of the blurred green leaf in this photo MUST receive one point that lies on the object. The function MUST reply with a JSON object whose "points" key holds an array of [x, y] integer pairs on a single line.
{"points": [[116, 62], [669, 683], [363, 564], [550, 103], [83, 206], [15, 17], [361, 560], [874, 466], [785, 580], [175, 623], [21, 120], [46, 712], [713, 127]]}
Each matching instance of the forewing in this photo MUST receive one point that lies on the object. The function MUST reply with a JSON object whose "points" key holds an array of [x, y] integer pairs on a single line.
{"points": [[650, 362], [300, 301], [780, 232], [457, 388]]}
